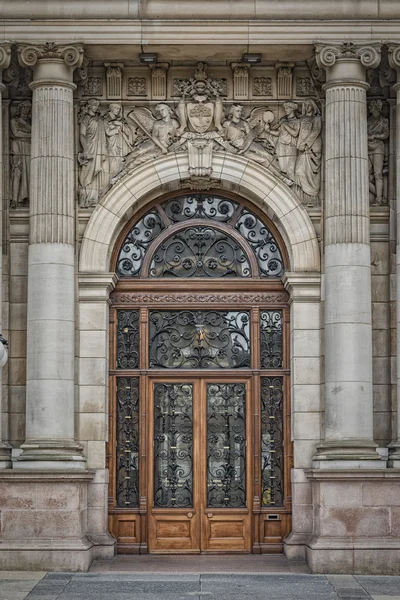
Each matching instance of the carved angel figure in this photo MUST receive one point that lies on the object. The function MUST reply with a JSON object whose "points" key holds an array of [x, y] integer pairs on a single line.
{"points": [[309, 145], [20, 126], [93, 172], [378, 132], [155, 134]]}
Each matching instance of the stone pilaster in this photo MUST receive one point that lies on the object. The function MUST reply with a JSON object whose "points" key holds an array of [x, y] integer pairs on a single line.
{"points": [[394, 61], [51, 319], [5, 448], [348, 329]]}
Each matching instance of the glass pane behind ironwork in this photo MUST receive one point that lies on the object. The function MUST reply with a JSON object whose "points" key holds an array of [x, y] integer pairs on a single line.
{"points": [[136, 243], [199, 339], [272, 441], [200, 252], [271, 356], [173, 445], [128, 339], [262, 242], [127, 442], [200, 206], [226, 445]]}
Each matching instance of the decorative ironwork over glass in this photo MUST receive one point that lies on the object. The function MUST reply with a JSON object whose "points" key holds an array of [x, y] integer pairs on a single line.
{"points": [[200, 206], [127, 442], [226, 445], [173, 445], [128, 339], [272, 441], [271, 339], [136, 243], [200, 252], [199, 339], [262, 242]]}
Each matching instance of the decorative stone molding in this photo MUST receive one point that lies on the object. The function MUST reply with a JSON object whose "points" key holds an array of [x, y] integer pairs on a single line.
{"points": [[284, 79], [159, 81], [143, 298], [29, 55]]}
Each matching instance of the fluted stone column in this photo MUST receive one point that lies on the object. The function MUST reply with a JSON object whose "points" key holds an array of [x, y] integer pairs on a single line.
{"points": [[394, 61], [5, 448], [348, 329], [50, 322]]}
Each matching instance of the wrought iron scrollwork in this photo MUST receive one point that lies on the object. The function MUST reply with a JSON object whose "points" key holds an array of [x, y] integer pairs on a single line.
{"points": [[199, 206], [199, 339], [173, 445], [262, 242], [271, 339], [226, 445], [136, 243], [272, 441], [128, 339], [127, 442], [200, 252]]}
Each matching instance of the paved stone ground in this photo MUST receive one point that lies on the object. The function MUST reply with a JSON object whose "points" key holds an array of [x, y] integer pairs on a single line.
{"points": [[151, 581]]}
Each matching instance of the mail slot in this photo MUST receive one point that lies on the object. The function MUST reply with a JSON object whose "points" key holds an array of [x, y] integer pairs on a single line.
{"points": [[273, 517]]}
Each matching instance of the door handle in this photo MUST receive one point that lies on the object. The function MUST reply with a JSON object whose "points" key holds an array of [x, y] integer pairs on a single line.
{"points": [[210, 515], [190, 515]]}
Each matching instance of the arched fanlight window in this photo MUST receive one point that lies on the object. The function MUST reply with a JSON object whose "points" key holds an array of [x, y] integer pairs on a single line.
{"points": [[200, 235]]}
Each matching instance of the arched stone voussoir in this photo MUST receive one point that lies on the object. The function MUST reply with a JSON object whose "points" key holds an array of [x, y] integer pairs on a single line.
{"points": [[251, 180]]}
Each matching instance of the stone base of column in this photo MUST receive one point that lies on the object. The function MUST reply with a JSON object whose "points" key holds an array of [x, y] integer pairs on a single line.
{"points": [[48, 520], [50, 454], [5, 455], [394, 455], [348, 454]]}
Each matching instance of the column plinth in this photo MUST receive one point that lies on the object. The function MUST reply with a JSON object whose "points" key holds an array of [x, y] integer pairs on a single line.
{"points": [[50, 442], [394, 62], [348, 320]]}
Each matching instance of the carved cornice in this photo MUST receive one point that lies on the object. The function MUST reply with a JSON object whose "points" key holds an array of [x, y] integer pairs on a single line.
{"points": [[328, 54], [29, 55], [143, 298], [5, 55]]}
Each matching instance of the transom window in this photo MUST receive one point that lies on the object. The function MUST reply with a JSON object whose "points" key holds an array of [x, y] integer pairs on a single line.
{"points": [[202, 236]]}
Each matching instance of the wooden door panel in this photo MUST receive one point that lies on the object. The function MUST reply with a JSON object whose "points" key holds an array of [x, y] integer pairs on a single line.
{"points": [[227, 532], [174, 533]]}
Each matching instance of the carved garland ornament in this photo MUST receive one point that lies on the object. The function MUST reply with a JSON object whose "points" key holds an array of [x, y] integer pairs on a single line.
{"points": [[143, 298]]}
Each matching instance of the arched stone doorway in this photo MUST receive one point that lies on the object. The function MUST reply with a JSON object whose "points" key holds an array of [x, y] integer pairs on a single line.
{"points": [[252, 187]]}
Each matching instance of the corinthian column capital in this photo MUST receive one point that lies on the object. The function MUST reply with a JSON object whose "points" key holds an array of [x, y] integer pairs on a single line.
{"points": [[332, 54], [71, 54]]}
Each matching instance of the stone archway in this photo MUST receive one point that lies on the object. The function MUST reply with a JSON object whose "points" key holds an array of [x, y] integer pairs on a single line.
{"points": [[275, 199], [239, 174]]}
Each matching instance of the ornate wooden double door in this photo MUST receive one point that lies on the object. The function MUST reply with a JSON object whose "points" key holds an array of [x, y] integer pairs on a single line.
{"points": [[199, 449]]}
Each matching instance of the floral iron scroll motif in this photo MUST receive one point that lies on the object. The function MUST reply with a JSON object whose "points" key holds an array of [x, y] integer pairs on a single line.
{"points": [[226, 445], [173, 445], [127, 442], [128, 339], [271, 339], [272, 441], [200, 250], [199, 339], [136, 243]]}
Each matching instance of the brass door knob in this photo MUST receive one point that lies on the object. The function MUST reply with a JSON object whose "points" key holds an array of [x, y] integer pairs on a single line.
{"points": [[210, 515], [190, 515]]}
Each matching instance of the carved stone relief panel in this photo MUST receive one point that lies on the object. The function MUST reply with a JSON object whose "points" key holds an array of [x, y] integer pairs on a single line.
{"points": [[116, 137], [378, 135], [240, 81], [114, 80], [159, 82], [284, 79]]}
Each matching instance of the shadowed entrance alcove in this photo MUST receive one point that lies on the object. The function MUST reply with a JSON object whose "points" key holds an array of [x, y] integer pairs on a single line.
{"points": [[200, 449]]}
